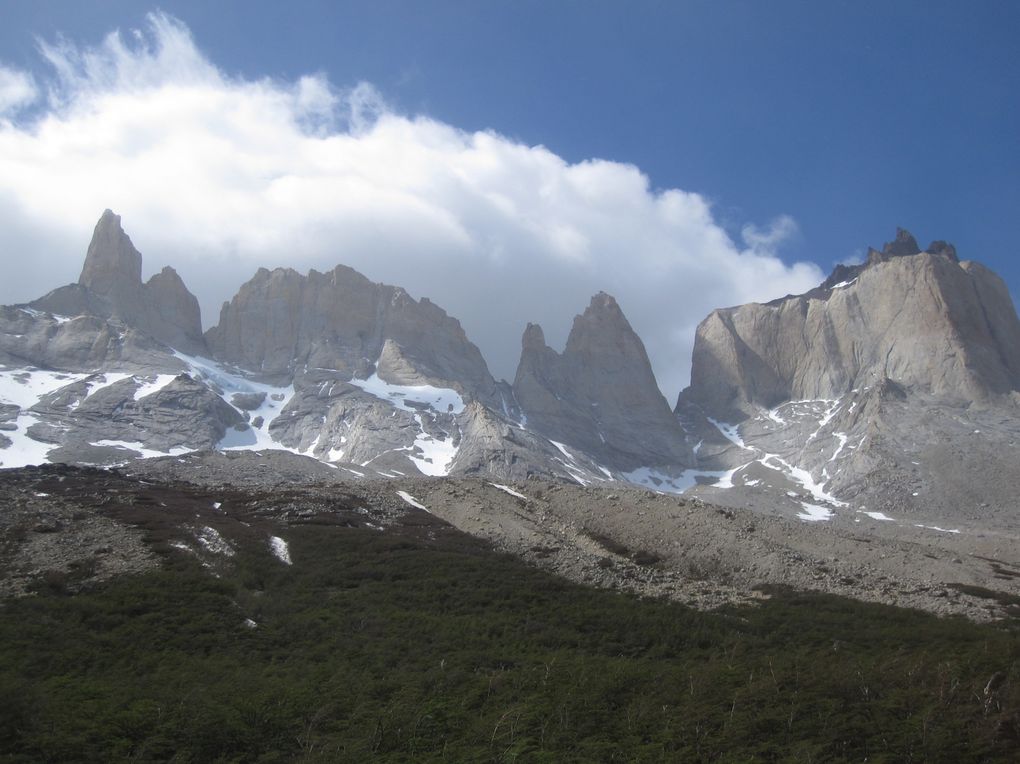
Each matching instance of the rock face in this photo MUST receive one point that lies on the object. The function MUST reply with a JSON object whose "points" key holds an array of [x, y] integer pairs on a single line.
{"points": [[281, 323], [329, 366], [110, 286], [113, 267], [600, 395], [892, 389], [924, 320], [894, 385]]}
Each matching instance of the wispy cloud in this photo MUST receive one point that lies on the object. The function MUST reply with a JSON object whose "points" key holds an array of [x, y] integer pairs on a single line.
{"points": [[17, 90], [217, 175]]}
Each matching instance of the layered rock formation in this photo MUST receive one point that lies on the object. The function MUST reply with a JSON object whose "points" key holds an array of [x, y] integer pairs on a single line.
{"points": [[891, 390], [924, 320], [600, 394]]}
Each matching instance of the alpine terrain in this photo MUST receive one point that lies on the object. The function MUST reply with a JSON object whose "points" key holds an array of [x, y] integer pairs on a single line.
{"points": [[862, 438]]}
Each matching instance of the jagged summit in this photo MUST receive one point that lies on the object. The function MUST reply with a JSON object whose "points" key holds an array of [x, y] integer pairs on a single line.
{"points": [[281, 322], [110, 286], [903, 245], [112, 263], [599, 395], [923, 319]]}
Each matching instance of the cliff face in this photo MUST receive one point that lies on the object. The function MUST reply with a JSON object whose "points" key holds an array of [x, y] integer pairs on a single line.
{"points": [[281, 322], [889, 392], [110, 286], [923, 320], [600, 395]]}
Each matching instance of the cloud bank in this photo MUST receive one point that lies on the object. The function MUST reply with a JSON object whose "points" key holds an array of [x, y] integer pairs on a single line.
{"points": [[218, 175]]}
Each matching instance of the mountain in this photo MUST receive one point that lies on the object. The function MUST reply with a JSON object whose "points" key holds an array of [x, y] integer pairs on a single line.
{"points": [[922, 319], [894, 386], [862, 438], [110, 286], [889, 393], [600, 394], [330, 366], [281, 322]]}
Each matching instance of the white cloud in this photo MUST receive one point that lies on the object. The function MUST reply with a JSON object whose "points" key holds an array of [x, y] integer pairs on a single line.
{"points": [[17, 90], [216, 176], [854, 259], [768, 242]]}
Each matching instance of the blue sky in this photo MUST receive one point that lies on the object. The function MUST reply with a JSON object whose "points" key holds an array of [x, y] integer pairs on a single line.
{"points": [[822, 125]]}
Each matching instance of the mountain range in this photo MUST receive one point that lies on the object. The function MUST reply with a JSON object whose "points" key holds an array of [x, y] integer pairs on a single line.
{"points": [[889, 392]]}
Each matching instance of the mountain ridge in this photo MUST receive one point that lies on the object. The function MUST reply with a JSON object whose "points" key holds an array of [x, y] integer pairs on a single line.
{"points": [[817, 392]]}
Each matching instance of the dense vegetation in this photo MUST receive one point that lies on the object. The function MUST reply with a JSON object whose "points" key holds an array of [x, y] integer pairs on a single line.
{"points": [[422, 646]]}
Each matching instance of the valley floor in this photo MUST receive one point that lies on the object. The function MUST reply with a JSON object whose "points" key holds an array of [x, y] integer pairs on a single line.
{"points": [[256, 619]]}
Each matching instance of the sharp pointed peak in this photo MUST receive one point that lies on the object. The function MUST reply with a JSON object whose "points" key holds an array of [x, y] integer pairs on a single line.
{"points": [[112, 262]]}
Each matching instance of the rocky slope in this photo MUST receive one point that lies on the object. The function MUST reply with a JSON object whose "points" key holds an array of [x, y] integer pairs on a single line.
{"points": [[82, 525], [890, 392]]}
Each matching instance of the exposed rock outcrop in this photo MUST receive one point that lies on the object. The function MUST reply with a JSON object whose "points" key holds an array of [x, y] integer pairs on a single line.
{"points": [[891, 391], [280, 323], [110, 286], [922, 319], [599, 395]]}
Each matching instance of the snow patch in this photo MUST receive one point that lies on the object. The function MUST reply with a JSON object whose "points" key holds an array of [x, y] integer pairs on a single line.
{"points": [[412, 501], [729, 431], [649, 477], [509, 490], [440, 399], [102, 381], [152, 385], [24, 450], [936, 528], [211, 540], [280, 550], [436, 454], [25, 388], [227, 383], [812, 513], [842, 437], [879, 516], [802, 476], [562, 449], [146, 453]]}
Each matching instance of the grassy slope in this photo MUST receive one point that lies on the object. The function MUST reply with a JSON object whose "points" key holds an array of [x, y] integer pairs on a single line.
{"points": [[393, 647]]}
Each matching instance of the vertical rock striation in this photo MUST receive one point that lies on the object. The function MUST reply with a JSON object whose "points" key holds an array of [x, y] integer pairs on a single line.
{"points": [[599, 395], [923, 320]]}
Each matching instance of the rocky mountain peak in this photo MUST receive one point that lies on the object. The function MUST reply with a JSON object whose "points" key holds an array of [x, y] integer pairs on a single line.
{"points": [[903, 245], [932, 324], [943, 248], [600, 394], [112, 263], [281, 321], [533, 338], [110, 286]]}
